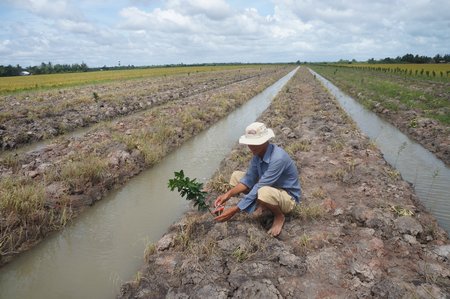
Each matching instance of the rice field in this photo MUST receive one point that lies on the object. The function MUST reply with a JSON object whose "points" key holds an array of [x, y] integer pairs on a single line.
{"points": [[22, 83]]}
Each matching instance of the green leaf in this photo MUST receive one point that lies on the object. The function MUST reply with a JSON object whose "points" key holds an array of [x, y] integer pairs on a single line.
{"points": [[189, 188]]}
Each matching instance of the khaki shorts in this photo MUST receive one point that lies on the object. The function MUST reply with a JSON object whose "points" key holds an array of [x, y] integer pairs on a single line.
{"points": [[270, 195]]}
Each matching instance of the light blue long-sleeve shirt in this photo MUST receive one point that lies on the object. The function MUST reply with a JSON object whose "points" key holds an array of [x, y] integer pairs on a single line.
{"points": [[275, 169]]}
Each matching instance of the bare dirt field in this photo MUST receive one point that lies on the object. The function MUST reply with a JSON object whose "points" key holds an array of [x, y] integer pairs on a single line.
{"points": [[43, 190], [359, 232], [28, 117]]}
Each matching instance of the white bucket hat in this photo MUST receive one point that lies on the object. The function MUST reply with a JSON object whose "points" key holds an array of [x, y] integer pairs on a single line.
{"points": [[256, 134]]}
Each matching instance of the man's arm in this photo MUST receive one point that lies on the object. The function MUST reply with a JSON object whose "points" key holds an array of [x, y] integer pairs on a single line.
{"points": [[232, 192], [249, 180], [270, 176], [228, 213]]}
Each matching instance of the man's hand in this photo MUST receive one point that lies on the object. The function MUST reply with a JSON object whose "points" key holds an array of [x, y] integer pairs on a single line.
{"points": [[218, 210], [227, 214], [221, 199]]}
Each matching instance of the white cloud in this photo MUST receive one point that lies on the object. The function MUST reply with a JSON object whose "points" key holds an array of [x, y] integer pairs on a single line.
{"points": [[160, 20], [158, 32], [54, 9], [212, 9], [76, 27], [4, 46]]}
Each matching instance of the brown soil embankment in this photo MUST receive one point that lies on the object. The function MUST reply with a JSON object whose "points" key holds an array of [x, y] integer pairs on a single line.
{"points": [[431, 134], [32, 116], [358, 233], [412, 105], [41, 191]]}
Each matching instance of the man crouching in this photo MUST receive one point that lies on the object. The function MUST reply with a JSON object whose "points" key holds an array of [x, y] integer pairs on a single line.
{"points": [[271, 181]]}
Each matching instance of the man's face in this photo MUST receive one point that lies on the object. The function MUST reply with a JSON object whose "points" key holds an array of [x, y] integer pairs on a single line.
{"points": [[258, 150]]}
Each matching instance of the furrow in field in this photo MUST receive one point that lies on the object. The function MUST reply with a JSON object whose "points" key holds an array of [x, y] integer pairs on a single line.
{"points": [[42, 190], [33, 116], [359, 231]]}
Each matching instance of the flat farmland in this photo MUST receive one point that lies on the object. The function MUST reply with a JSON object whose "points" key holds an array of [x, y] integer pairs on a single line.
{"points": [[432, 71], [418, 106], [347, 239], [31, 116], [23, 83], [45, 189]]}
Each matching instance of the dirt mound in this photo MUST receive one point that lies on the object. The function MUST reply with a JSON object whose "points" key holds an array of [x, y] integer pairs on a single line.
{"points": [[359, 231], [32, 116], [43, 190]]}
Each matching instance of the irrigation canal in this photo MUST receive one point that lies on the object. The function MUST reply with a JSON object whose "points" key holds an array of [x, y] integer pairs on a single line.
{"points": [[429, 175], [104, 247]]}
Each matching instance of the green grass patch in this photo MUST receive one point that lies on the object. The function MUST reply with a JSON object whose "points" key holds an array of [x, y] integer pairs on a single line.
{"points": [[390, 90]]}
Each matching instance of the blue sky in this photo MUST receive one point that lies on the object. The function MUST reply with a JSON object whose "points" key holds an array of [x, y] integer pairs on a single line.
{"points": [[155, 32]]}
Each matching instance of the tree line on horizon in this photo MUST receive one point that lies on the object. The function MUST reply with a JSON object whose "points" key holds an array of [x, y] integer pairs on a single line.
{"points": [[407, 58], [43, 68], [49, 68], [410, 58]]}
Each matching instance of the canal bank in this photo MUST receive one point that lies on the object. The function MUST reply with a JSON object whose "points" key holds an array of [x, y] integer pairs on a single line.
{"points": [[102, 249], [44, 190], [360, 232], [419, 167]]}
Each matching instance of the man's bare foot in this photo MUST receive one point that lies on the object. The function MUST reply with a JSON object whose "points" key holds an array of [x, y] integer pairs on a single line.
{"points": [[277, 225], [258, 212]]}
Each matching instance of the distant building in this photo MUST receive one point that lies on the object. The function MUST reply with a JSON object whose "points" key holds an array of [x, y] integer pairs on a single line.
{"points": [[25, 73]]}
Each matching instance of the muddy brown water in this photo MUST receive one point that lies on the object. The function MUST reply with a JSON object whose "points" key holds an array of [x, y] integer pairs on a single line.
{"points": [[418, 166], [104, 247]]}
